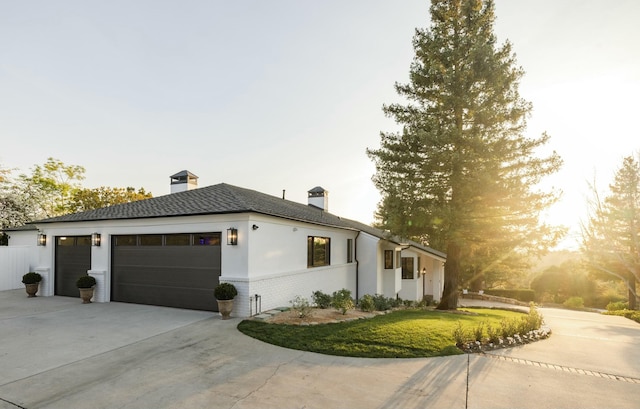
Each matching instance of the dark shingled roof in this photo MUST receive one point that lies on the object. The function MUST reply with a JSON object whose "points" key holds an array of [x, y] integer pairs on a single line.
{"points": [[224, 199]]}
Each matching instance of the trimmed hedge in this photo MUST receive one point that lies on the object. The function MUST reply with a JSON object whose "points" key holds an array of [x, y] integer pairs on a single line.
{"points": [[631, 314], [524, 295]]}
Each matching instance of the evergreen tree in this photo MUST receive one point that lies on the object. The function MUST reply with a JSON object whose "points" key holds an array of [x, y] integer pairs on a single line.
{"points": [[460, 175], [611, 240]]}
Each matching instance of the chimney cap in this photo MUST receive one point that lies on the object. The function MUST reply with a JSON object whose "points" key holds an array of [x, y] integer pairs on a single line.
{"points": [[183, 173], [317, 191]]}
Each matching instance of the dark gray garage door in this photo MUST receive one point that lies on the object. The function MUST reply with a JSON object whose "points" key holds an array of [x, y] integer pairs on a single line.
{"points": [[172, 270], [73, 259]]}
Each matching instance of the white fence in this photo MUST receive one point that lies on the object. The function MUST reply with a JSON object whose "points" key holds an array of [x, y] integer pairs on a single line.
{"points": [[15, 261]]}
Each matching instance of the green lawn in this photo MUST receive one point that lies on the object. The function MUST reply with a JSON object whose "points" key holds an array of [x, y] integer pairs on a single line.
{"points": [[400, 334]]}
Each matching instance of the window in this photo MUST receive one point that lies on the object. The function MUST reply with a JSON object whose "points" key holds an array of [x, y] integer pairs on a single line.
{"points": [[206, 239], [177, 240], [128, 240], [388, 259], [349, 250], [151, 240], [407, 268], [318, 251]]}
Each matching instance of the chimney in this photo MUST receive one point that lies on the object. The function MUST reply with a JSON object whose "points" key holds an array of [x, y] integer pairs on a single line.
{"points": [[183, 181], [318, 197]]}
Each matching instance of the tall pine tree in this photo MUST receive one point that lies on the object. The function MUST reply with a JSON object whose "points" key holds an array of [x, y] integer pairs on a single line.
{"points": [[611, 240], [460, 176]]}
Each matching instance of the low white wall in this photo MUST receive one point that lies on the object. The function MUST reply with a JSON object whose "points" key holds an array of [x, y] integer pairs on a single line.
{"points": [[278, 290]]}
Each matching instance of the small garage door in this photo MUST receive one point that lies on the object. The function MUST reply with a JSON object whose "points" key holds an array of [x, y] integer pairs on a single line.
{"points": [[172, 270], [73, 259]]}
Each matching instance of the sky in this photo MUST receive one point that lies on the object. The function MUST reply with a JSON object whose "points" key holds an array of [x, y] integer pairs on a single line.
{"points": [[287, 95]]}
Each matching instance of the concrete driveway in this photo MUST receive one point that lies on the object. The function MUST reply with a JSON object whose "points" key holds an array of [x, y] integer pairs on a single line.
{"points": [[57, 353]]}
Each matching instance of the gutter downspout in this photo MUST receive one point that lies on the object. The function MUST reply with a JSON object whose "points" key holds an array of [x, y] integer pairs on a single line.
{"points": [[355, 256]]}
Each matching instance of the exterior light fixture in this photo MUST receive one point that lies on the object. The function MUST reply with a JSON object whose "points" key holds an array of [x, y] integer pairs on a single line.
{"points": [[95, 239], [232, 236], [42, 239], [255, 227], [424, 270]]}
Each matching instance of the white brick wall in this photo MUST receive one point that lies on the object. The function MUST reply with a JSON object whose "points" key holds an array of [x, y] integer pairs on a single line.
{"points": [[279, 289]]}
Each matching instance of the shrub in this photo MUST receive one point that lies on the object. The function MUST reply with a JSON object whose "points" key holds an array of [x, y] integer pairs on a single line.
{"points": [[85, 281], [617, 306], [478, 331], [631, 314], [31, 278], [408, 303], [366, 303], [493, 333], [341, 300], [574, 303], [460, 335], [508, 327], [301, 306], [321, 300], [533, 320], [381, 302], [225, 291]]}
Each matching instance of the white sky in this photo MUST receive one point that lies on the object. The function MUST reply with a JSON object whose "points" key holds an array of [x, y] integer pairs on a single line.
{"points": [[274, 95]]}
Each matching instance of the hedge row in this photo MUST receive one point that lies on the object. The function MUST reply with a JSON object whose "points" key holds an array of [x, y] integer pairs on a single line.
{"points": [[524, 295], [631, 314]]}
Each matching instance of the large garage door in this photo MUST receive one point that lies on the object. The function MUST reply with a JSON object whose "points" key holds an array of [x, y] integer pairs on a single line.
{"points": [[73, 259], [172, 270]]}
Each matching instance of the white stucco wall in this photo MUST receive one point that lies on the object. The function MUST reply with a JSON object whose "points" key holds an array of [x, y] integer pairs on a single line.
{"points": [[23, 237], [412, 288], [369, 267]]}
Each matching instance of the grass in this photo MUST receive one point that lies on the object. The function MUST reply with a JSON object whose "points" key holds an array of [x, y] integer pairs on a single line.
{"points": [[408, 333]]}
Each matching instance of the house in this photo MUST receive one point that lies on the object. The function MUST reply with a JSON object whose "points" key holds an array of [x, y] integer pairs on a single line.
{"points": [[173, 250]]}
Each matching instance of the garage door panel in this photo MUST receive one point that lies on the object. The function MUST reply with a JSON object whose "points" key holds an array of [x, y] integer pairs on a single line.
{"points": [[166, 276], [173, 276], [72, 260], [190, 298], [174, 256]]}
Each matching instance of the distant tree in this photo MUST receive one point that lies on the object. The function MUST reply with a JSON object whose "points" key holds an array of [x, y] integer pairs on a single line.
{"points": [[460, 176], [54, 189], [88, 199], [611, 237], [559, 283], [13, 209], [48, 190]]}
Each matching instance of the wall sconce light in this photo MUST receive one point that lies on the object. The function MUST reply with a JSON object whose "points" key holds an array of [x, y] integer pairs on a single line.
{"points": [[42, 239], [255, 227], [424, 270], [95, 239], [232, 236]]}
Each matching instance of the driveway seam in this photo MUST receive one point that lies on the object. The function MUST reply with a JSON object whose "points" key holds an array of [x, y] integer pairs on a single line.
{"points": [[561, 368], [12, 403]]}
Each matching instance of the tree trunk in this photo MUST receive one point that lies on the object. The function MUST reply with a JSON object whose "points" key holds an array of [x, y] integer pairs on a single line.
{"points": [[632, 293], [449, 299]]}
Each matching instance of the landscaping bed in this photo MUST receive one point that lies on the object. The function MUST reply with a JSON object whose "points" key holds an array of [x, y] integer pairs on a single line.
{"points": [[403, 333]]}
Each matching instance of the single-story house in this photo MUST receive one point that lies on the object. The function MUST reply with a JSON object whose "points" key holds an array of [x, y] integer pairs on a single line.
{"points": [[173, 250]]}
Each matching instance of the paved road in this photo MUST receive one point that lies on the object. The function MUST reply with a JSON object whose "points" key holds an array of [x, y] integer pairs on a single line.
{"points": [[58, 353]]}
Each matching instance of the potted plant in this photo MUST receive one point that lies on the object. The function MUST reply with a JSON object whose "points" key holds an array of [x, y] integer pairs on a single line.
{"points": [[85, 284], [31, 281], [225, 293]]}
